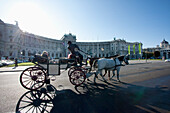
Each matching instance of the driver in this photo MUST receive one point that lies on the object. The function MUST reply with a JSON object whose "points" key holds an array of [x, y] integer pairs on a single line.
{"points": [[73, 48]]}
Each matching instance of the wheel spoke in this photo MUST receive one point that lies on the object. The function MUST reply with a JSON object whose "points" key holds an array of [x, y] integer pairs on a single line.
{"points": [[23, 107], [32, 78], [29, 109], [27, 83], [26, 74]]}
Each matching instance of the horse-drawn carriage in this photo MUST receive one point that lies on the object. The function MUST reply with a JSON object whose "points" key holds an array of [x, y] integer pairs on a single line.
{"points": [[35, 77]]}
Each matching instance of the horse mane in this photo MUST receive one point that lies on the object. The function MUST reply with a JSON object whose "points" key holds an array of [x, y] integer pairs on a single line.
{"points": [[113, 57], [121, 58], [92, 60], [95, 63]]}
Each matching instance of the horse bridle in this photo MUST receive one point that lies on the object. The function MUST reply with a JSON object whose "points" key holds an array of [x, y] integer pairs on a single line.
{"points": [[117, 65]]}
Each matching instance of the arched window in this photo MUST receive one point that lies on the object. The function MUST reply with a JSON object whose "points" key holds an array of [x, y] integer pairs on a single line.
{"points": [[29, 53], [34, 52]]}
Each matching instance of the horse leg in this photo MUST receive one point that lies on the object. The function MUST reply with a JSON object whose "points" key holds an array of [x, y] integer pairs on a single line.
{"points": [[118, 70], [97, 72], [113, 71], [102, 76], [109, 74], [105, 72]]}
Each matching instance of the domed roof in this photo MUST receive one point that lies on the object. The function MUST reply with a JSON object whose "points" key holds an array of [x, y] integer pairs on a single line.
{"points": [[164, 42]]}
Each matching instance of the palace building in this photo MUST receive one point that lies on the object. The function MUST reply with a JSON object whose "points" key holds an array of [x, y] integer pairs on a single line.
{"points": [[163, 48], [14, 43]]}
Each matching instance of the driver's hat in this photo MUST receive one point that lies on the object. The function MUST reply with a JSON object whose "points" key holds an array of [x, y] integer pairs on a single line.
{"points": [[69, 42]]}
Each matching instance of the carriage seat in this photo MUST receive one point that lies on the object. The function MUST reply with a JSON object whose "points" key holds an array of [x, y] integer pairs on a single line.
{"points": [[40, 59]]}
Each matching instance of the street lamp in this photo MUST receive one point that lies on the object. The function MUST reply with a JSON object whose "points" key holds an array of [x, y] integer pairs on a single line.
{"points": [[21, 55], [146, 52]]}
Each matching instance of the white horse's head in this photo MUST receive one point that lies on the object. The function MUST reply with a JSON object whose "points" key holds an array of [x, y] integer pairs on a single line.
{"points": [[126, 58]]}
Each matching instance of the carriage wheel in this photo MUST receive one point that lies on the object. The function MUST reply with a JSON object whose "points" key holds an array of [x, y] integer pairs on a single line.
{"points": [[74, 68], [34, 102], [71, 70], [77, 77], [32, 78]]}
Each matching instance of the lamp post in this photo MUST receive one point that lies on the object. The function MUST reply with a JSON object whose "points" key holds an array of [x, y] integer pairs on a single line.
{"points": [[21, 55], [146, 55], [102, 49]]}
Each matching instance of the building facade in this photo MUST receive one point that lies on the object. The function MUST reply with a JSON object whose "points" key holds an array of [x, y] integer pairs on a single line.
{"points": [[14, 43], [163, 48]]}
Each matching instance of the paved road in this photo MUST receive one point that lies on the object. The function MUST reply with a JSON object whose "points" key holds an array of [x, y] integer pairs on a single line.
{"points": [[145, 87]]}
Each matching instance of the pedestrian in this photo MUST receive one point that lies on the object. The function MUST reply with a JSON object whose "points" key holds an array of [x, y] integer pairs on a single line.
{"points": [[16, 62]]}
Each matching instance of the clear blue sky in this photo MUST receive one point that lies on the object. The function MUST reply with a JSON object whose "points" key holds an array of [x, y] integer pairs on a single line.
{"points": [[146, 21]]}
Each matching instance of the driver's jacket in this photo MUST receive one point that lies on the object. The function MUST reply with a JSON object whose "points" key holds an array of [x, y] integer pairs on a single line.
{"points": [[72, 48]]}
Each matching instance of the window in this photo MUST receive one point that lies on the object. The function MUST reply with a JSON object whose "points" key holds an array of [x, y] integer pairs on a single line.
{"points": [[0, 34], [10, 54], [10, 39], [29, 53], [122, 47], [34, 52]]}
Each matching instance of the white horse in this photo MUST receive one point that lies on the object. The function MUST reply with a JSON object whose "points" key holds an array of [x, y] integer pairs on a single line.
{"points": [[109, 64]]}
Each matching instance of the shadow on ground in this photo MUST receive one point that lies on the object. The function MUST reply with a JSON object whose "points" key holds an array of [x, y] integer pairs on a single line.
{"points": [[98, 98]]}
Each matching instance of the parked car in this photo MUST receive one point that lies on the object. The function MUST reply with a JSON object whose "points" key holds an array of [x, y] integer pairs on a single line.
{"points": [[167, 60], [7, 62], [1, 64]]}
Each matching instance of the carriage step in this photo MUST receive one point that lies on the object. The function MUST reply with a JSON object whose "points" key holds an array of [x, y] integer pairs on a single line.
{"points": [[87, 67]]}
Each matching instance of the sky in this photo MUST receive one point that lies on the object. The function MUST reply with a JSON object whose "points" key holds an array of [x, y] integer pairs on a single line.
{"points": [[145, 21]]}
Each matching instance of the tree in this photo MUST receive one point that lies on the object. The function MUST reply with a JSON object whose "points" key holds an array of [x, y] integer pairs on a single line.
{"points": [[156, 54], [147, 54]]}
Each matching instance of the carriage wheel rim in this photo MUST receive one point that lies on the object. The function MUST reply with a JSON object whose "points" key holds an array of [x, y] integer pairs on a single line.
{"points": [[30, 81], [77, 77]]}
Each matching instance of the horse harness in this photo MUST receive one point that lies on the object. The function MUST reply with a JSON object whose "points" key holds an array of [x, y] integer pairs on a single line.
{"points": [[115, 65]]}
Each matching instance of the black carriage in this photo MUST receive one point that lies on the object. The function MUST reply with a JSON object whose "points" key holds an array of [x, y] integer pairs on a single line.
{"points": [[35, 77]]}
